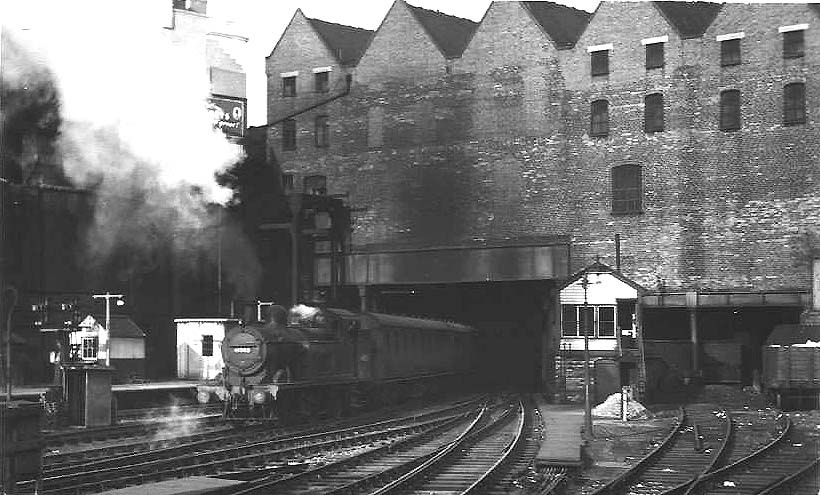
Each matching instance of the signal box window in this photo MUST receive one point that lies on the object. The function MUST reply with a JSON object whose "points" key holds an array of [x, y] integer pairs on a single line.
{"points": [[793, 44], [90, 346], [321, 82], [606, 321], [653, 113], [322, 134], [569, 321], [654, 55], [794, 104], [599, 61], [598, 321], [730, 52], [730, 110], [627, 189], [289, 135], [599, 118], [207, 345], [289, 86]]}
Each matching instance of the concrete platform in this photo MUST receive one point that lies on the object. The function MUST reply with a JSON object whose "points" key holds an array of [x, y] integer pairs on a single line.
{"points": [[562, 435], [187, 486]]}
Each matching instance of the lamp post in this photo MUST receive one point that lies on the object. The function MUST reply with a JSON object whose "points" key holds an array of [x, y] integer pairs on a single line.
{"points": [[108, 296], [587, 405]]}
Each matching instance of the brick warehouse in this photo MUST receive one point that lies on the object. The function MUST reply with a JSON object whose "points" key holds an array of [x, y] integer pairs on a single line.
{"points": [[490, 165]]}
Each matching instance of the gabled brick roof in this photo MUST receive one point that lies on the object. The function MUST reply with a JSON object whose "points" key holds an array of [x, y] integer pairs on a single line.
{"points": [[346, 42], [451, 34], [563, 24], [690, 19]]}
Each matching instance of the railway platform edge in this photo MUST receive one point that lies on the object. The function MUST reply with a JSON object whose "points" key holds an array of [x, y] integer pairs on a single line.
{"points": [[561, 444]]}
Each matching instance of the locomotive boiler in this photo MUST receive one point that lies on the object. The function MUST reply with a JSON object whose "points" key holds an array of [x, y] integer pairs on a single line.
{"points": [[323, 361]]}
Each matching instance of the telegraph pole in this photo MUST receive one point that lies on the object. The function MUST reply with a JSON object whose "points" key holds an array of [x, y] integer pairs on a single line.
{"points": [[587, 404], [108, 297]]}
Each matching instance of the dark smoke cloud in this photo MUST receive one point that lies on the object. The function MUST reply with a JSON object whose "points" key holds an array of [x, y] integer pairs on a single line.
{"points": [[129, 120]]}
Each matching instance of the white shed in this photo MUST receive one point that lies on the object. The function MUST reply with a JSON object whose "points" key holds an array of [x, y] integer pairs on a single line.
{"points": [[199, 346]]}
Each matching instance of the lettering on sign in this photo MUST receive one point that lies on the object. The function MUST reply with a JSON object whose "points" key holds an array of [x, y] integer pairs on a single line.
{"points": [[228, 115]]}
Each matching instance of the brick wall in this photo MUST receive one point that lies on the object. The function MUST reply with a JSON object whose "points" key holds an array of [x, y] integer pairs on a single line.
{"points": [[300, 49], [499, 151], [400, 50]]}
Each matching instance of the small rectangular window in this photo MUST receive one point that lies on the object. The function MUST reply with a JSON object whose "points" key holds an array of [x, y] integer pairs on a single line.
{"points": [[730, 110], [794, 104], [569, 321], [793, 44], [287, 182], [321, 82], [90, 347], [289, 86], [599, 118], [289, 134], [207, 345], [606, 321], [600, 62], [730, 52], [654, 56], [627, 189], [322, 131], [653, 113]]}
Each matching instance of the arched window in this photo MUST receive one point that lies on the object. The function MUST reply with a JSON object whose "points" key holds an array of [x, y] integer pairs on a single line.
{"points": [[653, 113], [627, 189], [794, 104], [599, 118], [730, 110]]}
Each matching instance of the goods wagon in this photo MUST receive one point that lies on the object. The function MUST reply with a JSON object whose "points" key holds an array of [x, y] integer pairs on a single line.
{"points": [[791, 363]]}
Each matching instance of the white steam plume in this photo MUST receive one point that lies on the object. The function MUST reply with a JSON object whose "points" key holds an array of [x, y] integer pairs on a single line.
{"points": [[135, 124]]}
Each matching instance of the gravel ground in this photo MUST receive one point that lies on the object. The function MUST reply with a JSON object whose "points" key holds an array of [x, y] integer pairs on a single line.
{"points": [[618, 445]]}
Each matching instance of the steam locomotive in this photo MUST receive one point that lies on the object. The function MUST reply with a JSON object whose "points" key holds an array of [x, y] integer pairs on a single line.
{"points": [[324, 362]]}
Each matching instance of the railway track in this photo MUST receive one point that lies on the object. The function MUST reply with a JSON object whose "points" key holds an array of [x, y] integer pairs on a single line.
{"points": [[784, 465], [155, 413], [388, 468], [57, 439], [210, 457], [469, 464], [696, 446]]}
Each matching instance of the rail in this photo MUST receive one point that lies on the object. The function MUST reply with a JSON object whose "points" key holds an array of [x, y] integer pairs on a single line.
{"points": [[613, 486]]}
